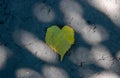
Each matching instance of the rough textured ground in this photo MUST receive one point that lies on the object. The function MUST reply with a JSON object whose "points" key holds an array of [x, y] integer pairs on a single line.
{"points": [[24, 54]]}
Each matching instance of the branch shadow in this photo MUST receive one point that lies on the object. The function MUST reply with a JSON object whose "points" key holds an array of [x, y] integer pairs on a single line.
{"points": [[96, 17]]}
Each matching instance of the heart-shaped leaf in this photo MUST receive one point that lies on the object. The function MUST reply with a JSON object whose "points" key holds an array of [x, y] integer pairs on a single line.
{"points": [[60, 40]]}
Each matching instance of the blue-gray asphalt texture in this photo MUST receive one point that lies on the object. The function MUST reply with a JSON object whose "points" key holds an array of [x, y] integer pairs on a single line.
{"points": [[17, 15]]}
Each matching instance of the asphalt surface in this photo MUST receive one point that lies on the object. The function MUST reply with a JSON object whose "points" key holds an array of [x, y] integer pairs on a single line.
{"points": [[24, 53]]}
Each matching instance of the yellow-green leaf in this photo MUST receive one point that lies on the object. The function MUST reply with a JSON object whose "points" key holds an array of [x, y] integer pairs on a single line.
{"points": [[60, 40]]}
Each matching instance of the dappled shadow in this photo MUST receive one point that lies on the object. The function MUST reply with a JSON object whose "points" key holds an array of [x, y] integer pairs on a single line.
{"points": [[95, 17], [23, 52]]}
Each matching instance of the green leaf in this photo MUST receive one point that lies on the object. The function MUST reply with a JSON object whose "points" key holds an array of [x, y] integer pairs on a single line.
{"points": [[60, 40]]}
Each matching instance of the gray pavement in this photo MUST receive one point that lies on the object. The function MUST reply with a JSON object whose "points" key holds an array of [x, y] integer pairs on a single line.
{"points": [[24, 53]]}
